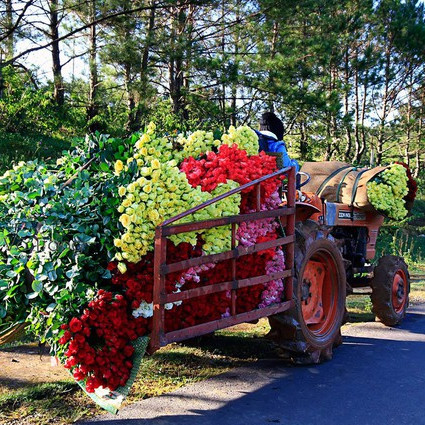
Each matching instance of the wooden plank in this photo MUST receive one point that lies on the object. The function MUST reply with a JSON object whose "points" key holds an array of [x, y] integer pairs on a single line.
{"points": [[205, 328], [258, 197], [239, 251], [225, 286], [223, 221], [160, 255], [233, 294], [290, 230]]}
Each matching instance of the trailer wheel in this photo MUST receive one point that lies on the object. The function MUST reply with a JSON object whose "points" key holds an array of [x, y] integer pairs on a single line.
{"points": [[390, 290], [309, 332]]}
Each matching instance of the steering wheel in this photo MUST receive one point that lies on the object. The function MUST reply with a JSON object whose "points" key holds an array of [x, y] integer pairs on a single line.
{"points": [[301, 174]]}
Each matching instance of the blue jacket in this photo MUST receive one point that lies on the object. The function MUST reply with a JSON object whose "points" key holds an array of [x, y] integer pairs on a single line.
{"points": [[270, 144]]}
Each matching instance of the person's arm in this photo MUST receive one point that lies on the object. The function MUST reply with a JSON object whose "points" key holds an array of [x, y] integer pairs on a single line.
{"points": [[287, 161]]}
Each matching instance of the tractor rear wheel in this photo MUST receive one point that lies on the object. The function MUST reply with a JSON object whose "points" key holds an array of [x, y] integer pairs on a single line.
{"points": [[390, 290], [308, 332]]}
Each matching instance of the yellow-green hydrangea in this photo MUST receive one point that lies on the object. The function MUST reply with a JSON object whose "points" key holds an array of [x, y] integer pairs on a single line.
{"points": [[197, 143], [387, 191], [243, 136]]}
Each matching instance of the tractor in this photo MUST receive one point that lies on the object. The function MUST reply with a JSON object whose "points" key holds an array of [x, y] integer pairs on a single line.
{"points": [[334, 247]]}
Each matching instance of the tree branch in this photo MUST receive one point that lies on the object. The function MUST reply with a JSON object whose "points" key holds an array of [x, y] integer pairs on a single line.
{"points": [[82, 28]]}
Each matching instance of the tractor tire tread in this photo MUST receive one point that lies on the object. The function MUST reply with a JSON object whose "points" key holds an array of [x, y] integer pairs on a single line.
{"points": [[381, 285], [286, 330]]}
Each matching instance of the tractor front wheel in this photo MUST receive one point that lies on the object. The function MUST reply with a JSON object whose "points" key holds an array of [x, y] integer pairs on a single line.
{"points": [[390, 290], [308, 332]]}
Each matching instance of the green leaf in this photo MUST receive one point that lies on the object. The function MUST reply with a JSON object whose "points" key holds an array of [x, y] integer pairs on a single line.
{"points": [[50, 307], [71, 273], [104, 167], [24, 233], [32, 295], [11, 274], [52, 275], [34, 195], [37, 286], [107, 274], [64, 252], [14, 251], [48, 267], [12, 291]]}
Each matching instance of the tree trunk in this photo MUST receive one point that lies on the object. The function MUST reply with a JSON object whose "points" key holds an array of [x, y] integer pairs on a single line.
{"points": [[270, 102], [347, 153], [58, 92], [1, 76], [6, 52], [10, 41], [130, 124], [144, 66], [128, 27], [187, 30], [419, 142], [363, 117], [172, 60], [356, 110], [235, 74], [176, 72], [303, 141], [408, 122], [93, 107], [223, 52], [417, 163], [384, 111], [148, 44]]}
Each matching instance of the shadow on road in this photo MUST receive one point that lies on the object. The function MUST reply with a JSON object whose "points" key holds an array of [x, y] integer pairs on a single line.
{"points": [[370, 381]]}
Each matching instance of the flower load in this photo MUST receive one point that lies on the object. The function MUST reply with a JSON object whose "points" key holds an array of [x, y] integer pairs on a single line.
{"points": [[388, 190], [84, 231]]}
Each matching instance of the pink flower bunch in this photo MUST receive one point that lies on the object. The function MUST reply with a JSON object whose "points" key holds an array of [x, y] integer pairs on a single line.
{"points": [[248, 232], [192, 274], [274, 289], [272, 202]]}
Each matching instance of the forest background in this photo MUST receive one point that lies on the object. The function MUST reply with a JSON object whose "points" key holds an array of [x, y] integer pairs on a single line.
{"points": [[347, 77]]}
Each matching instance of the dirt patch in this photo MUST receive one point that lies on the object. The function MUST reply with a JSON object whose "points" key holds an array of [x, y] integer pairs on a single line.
{"points": [[27, 364]]}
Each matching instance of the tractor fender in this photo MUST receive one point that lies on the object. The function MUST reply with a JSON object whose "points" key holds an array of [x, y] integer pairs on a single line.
{"points": [[304, 211]]}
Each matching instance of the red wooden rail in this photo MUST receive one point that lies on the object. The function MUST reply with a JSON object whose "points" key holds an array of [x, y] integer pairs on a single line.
{"points": [[158, 337]]}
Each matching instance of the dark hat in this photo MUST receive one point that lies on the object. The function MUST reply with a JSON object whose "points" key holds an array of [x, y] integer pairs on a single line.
{"points": [[270, 122]]}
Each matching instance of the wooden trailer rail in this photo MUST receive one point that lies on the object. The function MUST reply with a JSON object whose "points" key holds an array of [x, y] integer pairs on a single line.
{"points": [[158, 337]]}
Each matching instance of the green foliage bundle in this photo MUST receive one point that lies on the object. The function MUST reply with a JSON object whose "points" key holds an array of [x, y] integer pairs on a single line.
{"points": [[55, 233]]}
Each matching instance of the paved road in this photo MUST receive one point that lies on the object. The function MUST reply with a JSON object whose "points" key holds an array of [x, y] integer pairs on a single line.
{"points": [[376, 378]]}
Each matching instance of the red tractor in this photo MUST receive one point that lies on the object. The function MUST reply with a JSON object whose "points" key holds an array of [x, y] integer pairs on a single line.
{"points": [[334, 247]]}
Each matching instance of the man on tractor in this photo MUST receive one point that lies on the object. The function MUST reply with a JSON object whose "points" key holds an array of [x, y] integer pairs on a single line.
{"points": [[270, 138]]}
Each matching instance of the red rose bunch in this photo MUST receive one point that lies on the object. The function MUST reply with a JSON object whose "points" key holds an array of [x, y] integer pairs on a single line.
{"points": [[137, 281], [231, 163], [98, 342], [215, 306]]}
